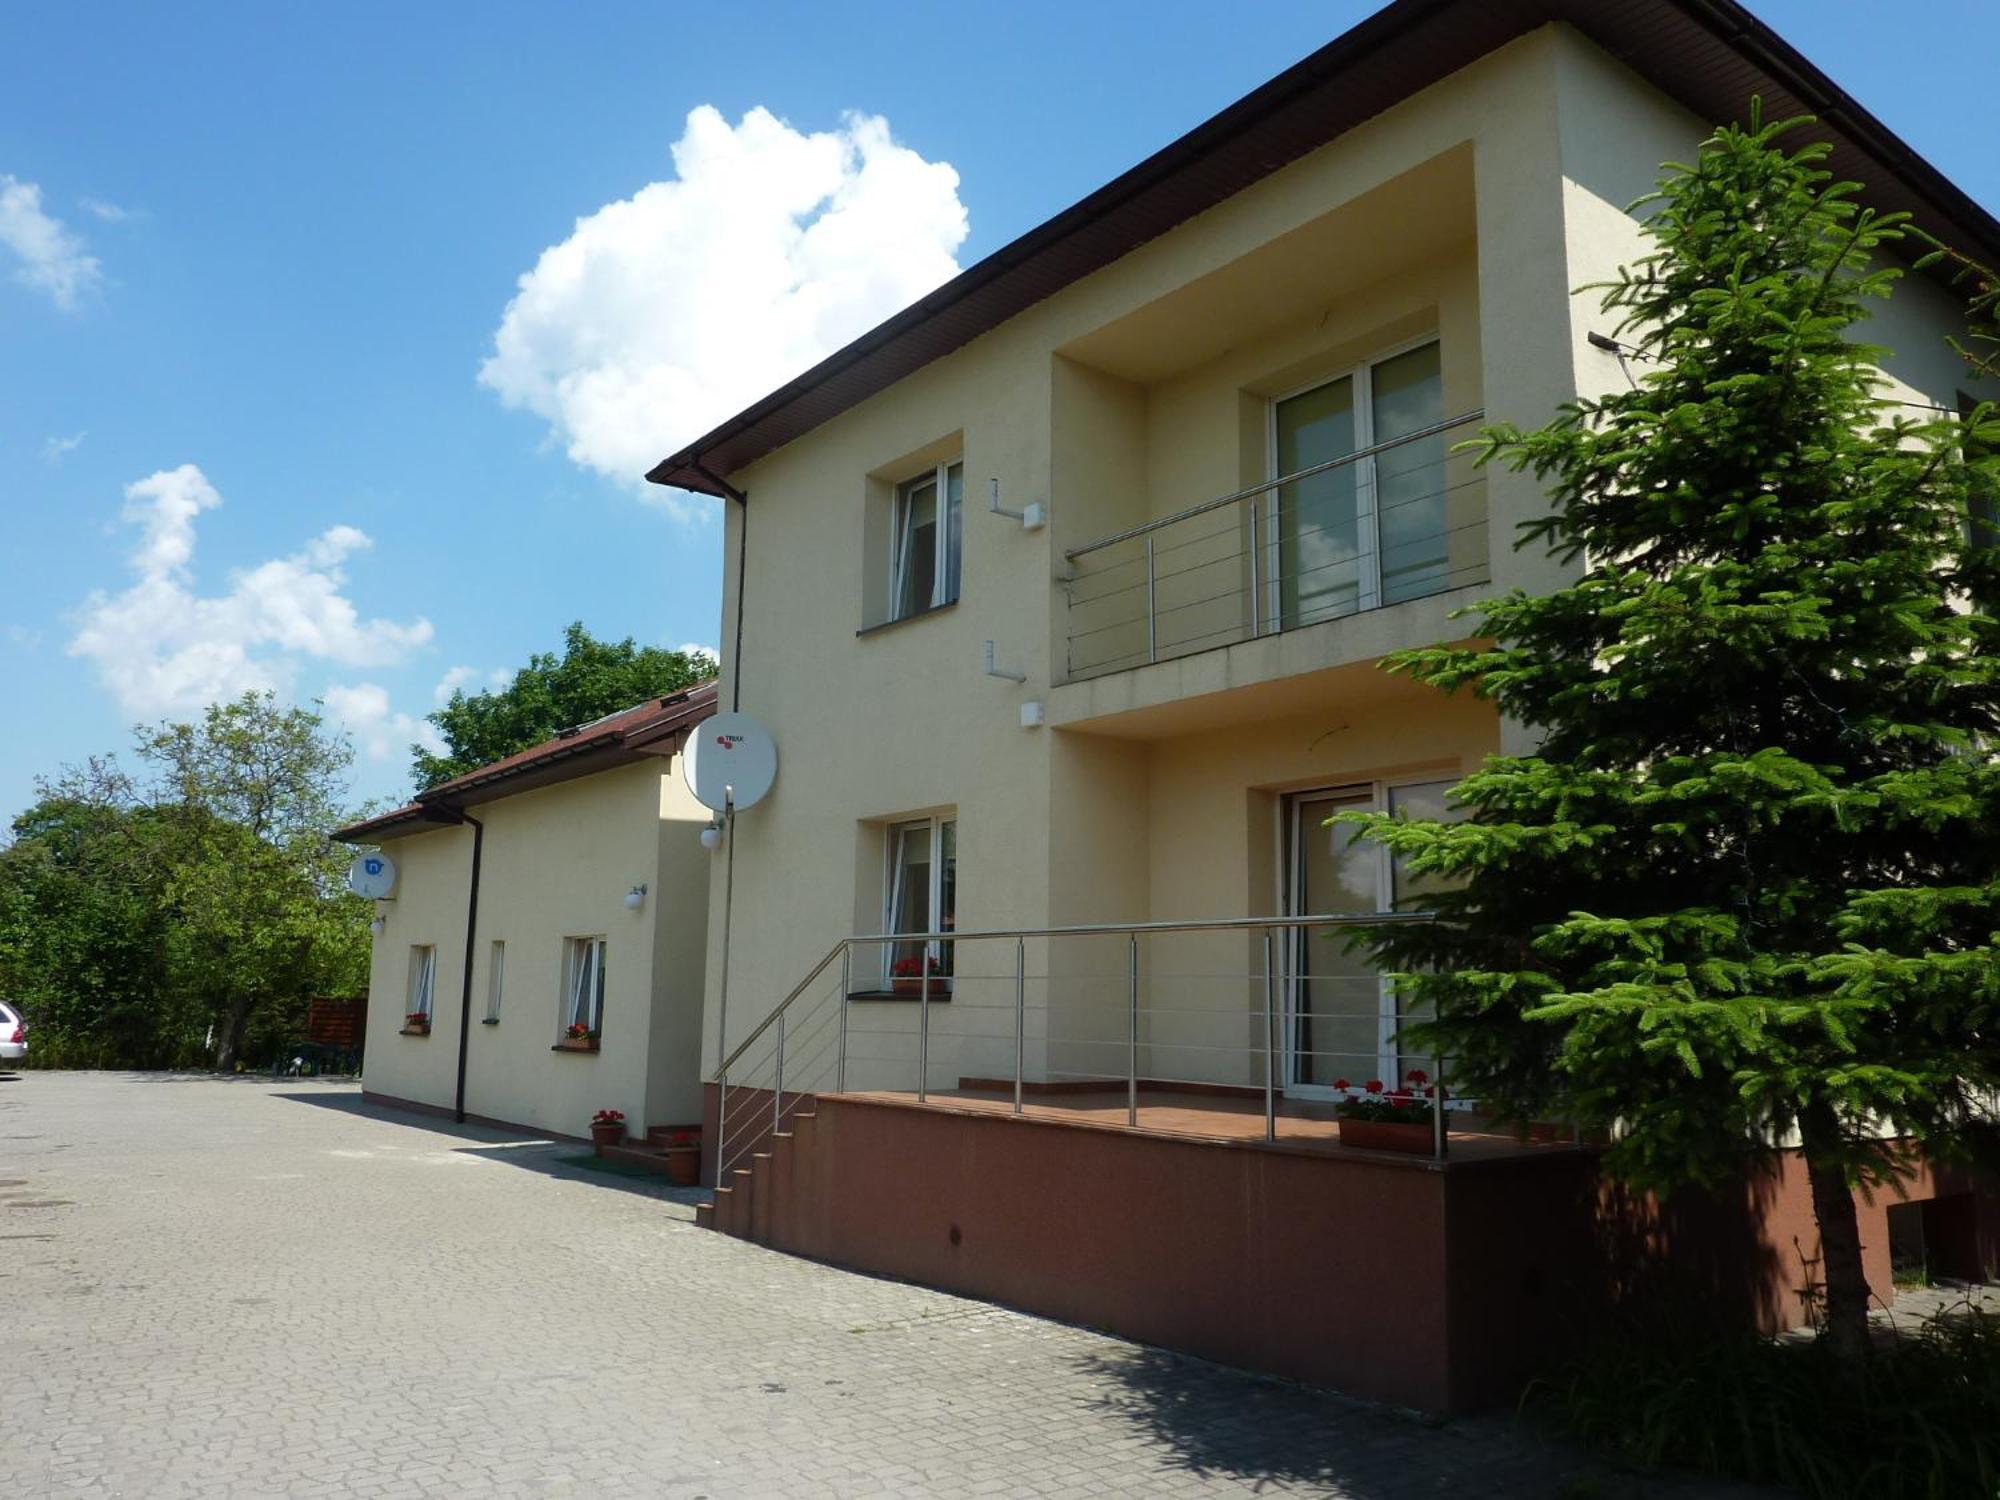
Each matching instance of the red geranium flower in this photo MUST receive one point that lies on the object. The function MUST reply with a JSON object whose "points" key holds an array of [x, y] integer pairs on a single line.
{"points": [[1342, 1083], [1373, 1085], [1419, 1076]]}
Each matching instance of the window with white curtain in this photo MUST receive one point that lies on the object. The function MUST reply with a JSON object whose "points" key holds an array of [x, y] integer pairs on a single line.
{"points": [[496, 979], [925, 541], [423, 976], [923, 895], [583, 985]]}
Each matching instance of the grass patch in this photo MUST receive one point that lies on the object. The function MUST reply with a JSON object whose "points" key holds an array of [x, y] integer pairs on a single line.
{"points": [[1919, 1421]]}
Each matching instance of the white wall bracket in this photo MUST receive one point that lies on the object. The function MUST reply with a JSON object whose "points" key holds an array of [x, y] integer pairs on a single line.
{"points": [[1032, 519], [993, 671]]}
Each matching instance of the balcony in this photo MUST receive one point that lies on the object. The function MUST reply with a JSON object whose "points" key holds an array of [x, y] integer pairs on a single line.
{"points": [[1399, 520]]}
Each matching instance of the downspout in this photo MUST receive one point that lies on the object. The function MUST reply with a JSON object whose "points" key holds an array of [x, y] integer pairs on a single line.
{"points": [[471, 930]]}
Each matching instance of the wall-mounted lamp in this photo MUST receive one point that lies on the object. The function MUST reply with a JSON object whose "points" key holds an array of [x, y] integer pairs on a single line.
{"points": [[711, 836], [636, 897], [377, 927]]}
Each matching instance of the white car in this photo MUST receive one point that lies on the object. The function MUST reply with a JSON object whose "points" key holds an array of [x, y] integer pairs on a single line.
{"points": [[13, 1034]]}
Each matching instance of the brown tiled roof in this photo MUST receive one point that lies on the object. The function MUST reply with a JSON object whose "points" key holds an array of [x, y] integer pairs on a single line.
{"points": [[615, 740], [1712, 55]]}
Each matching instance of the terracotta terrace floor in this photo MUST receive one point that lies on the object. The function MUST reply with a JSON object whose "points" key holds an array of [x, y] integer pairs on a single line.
{"points": [[1221, 1117]]}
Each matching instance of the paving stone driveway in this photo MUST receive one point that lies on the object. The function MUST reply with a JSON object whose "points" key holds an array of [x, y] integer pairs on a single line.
{"points": [[238, 1287]]}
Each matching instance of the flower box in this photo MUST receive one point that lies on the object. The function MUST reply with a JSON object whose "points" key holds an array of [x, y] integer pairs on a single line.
{"points": [[1384, 1135], [588, 1045]]}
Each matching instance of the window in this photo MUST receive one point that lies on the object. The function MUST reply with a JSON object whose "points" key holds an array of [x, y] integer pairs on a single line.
{"points": [[923, 895], [925, 541], [1369, 532], [423, 976], [583, 987], [1343, 1013], [496, 980]]}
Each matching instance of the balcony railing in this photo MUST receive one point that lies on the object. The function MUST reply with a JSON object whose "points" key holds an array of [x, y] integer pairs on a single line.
{"points": [[1398, 520], [1214, 1008]]}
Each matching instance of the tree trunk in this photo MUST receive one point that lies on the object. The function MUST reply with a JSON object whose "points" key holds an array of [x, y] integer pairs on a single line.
{"points": [[230, 1042], [1847, 1293]]}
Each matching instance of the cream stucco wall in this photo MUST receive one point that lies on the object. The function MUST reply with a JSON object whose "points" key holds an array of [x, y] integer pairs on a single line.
{"points": [[557, 864], [1473, 210]]}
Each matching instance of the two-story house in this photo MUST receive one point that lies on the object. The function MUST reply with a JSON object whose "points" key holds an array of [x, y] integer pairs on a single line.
{"points": [[1063, 594]]}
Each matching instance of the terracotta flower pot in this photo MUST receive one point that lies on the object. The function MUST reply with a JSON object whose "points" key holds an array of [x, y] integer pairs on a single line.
{"points": [[611, 1134], [906, 986], [684, 1165], [1387, 1135]]}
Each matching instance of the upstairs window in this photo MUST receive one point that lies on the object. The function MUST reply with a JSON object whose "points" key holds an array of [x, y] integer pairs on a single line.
{"points": [[1370, 532], [925, 540]]}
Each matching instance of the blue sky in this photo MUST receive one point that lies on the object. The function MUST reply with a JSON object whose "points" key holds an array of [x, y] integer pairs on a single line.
{"points": [[278, 244]]}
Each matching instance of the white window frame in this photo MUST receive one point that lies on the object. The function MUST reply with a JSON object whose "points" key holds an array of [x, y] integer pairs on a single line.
{"points": [[423, 979], [496, 978], [1291, 851], [582, 996], [944, 580], [892, 888], [1368, 529]]}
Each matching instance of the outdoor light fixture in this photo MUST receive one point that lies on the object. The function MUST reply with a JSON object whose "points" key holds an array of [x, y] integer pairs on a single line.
{"points": [[377, 926], [711, 836], [636, 897]]}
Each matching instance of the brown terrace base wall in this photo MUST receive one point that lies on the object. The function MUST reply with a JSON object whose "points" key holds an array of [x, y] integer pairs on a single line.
{"points": [[1440, 1288]]}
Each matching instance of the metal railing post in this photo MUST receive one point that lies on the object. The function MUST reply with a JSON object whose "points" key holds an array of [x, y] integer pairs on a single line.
{"points": [[1256, 593], [846, 988], [924, 1030], [1152, 614], [1020, 1015], [1270, 1040], [1437, 1111], [778, 1082], [721, 1122], [1132, 1030]]}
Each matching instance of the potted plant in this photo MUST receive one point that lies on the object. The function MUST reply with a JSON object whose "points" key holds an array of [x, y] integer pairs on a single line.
{"points": [[906, 975], [578, 1037], [417, 1023], [1380, 1118], [607, 1128], [682, 1147]]}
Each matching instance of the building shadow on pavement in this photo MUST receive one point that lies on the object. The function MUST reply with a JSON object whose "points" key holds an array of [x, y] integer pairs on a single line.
{"points": [[552, 1156], [1216, 1423]]}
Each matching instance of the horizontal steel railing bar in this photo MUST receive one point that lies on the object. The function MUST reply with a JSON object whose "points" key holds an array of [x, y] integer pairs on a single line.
{"points": [[1292, 577], [1458, 577], [1268, 625], [1299, 534], [1417, 436], [1093, 929]]}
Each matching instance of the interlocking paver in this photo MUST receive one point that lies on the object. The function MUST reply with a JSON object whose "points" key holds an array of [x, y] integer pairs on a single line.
{"points": [[226, 1287]]}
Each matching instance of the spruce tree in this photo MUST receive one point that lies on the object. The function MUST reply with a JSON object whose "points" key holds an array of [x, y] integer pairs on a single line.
{"points": [[1747, 891]]}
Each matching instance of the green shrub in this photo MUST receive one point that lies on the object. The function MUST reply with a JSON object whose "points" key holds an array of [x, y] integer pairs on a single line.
{"points": [[1920, 1419]]}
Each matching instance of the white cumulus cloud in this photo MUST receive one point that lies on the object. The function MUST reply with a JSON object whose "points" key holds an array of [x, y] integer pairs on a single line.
{"points": [[769, 248], [379, 731], [162, 647], [50, 257], [693, 648], [56, 449]]}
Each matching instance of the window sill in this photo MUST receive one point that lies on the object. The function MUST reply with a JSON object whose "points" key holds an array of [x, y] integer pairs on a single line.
{"points": [[414, 1031], [922, 614], [586, 1047], [938, 996]]}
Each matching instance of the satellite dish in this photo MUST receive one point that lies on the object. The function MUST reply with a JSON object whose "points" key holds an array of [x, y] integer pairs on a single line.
{"points": [[730, 756], [372, 876]]}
